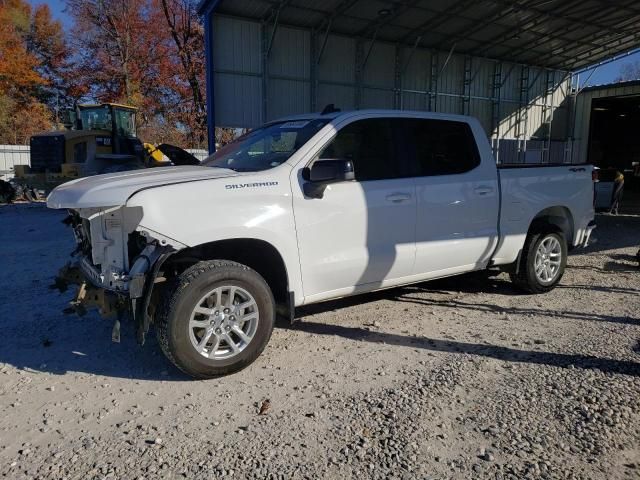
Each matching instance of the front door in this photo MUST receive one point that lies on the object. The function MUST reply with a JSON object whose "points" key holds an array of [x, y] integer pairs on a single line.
{"points": [[361, 233]]}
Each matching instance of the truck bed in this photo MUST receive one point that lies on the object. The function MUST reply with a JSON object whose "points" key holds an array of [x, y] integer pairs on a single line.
{"points": [[528, 191]]}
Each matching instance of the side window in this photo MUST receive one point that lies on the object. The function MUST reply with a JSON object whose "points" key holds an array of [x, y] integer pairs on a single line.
{"points": [[369, 145], [443, 147]]}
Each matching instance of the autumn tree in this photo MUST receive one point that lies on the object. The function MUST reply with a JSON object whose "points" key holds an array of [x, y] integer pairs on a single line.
{"points": [[30, 45], [146, 53], [47, 42], [117, 49], [17, 65], [187, 34]]}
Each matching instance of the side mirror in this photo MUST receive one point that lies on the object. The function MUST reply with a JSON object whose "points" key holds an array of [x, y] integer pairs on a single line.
{"points": [[325, 172]]}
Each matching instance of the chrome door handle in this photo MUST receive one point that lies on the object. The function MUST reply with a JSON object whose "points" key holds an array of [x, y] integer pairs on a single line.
{"points": [[398, 197], [484, 190]]}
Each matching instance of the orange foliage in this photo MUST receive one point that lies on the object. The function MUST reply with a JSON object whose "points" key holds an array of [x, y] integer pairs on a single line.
{"points": [[147, 53], [17, 65], [32, 54]]}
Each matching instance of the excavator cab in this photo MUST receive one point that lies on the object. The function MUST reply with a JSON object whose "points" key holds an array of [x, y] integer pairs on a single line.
{"points": [[98, 138], [118, 150]]}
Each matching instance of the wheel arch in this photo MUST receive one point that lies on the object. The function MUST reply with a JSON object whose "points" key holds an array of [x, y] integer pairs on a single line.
{"points": [[559, 217], [260, 255]]}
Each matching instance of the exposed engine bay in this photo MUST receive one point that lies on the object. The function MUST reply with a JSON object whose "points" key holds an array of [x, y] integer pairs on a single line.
{"points": [[116, 264]]}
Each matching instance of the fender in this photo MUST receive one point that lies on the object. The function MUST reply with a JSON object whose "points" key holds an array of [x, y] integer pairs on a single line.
{"points": [[198, 213]]}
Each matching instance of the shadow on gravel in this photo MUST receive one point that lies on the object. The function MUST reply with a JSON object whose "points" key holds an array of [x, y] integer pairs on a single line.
{"points": [[586, 362], [600, 288], [485, 281], [613, 232], [486, 308], [470, 284], [607, 268], [621, 257], [83, 345]]}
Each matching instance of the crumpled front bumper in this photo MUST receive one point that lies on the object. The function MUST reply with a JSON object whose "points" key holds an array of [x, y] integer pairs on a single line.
{"points": [[112, 275]]}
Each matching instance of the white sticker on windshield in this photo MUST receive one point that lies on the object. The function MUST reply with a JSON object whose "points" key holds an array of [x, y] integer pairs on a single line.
{"points": [[296, 124]]}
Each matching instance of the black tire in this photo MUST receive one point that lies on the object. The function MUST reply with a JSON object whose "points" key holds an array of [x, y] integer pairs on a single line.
{"points": [[181, 297], [525, 277]]}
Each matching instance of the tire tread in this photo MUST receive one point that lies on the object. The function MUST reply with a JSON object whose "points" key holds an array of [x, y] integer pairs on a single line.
{"points": [[175, 287], [521, 277]]}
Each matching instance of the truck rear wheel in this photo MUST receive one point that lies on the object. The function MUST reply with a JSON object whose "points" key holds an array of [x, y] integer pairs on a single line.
{"points": [[542, 263], [217, 319]]}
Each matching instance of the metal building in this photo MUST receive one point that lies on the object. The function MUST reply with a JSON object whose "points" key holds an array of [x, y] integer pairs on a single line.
{"points": [[508, 63], [607, 126]]}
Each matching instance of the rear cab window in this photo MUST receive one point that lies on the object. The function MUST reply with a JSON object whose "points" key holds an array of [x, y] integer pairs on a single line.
{"points": [[439, 147], [399, 147]]}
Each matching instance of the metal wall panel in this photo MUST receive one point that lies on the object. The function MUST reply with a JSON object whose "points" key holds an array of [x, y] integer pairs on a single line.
{"points": [[449, 104], [291, 53], [373, 98], [481, 109], [286, 98], [238, 100], [338, 60], [379, 69], [482, 77], [237, 45], [343, 97], [237, 67], [451, 74], [414, 101], [289, 67], [416, 69], [414, 78]]}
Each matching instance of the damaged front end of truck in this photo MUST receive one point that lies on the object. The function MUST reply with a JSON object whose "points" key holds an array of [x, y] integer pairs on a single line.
{"points": [[116, 265]]}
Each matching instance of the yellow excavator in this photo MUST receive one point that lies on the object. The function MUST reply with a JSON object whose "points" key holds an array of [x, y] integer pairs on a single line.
{"points": [[100, 138]]}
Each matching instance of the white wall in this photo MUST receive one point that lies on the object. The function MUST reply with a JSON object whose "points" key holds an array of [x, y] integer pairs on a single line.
{"points": [[11, 155]]}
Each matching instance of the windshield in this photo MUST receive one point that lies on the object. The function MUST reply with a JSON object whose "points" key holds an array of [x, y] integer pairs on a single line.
{"points": [[265, 147], [96, 118]]}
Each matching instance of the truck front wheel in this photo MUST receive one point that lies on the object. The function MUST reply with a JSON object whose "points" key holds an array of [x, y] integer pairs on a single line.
{"points": [[542, 263], [217, 319]]}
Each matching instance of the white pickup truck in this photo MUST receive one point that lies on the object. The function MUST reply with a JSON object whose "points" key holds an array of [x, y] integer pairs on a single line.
{"points": [[312, 208]]}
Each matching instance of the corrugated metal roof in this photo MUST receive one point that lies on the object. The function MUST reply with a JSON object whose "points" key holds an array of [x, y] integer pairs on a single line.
{"points": [[558, 34]]}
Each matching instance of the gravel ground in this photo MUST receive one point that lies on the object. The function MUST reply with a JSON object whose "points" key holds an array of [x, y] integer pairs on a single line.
{"points": [[460, 378]]}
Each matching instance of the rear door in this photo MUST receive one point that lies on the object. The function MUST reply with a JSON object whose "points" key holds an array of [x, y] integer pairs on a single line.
{"points": [[361, 233], [458, 198]]}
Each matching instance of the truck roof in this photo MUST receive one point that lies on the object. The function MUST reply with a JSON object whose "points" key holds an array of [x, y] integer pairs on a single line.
{"points": [[375, 112]]}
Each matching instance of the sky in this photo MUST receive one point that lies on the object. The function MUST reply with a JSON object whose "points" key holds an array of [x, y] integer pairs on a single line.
{"points": [[607, 73], [604, 74], [57, 7]]}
